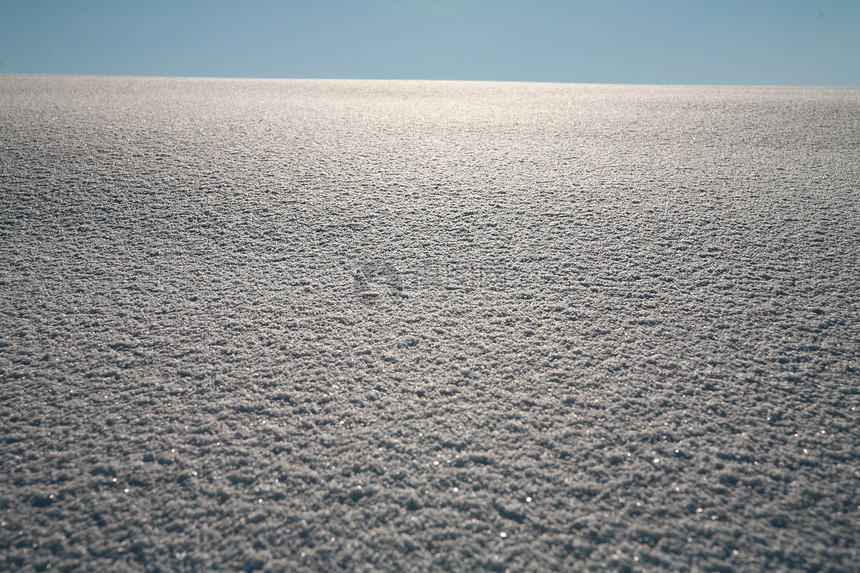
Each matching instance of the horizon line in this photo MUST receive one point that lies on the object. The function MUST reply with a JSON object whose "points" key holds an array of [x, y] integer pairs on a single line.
{"points": [[401, 79]]}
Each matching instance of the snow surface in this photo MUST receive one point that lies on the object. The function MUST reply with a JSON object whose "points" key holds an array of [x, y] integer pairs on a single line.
{"points": [[373, 325]]}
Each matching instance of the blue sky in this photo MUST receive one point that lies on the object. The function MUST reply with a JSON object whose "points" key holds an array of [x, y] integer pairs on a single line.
{"points": [[752, 42]]}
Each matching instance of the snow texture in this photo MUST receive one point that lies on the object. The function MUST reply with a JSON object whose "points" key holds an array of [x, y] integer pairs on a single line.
{"points": [[372, 325]]}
